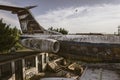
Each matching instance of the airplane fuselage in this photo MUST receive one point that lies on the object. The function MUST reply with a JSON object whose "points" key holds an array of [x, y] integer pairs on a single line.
{"points": [[81, 47]]}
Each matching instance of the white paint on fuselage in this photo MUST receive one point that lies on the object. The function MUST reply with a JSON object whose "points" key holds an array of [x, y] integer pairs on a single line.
{"points": [[110, 39]]}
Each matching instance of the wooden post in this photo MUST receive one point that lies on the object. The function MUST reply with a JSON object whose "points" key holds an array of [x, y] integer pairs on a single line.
{"points": [[13, 70], [36, 63], [23, 68]]}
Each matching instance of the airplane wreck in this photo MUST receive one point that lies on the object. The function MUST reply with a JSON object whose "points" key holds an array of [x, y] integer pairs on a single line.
{"points": [[88, 48], [91, 48]]}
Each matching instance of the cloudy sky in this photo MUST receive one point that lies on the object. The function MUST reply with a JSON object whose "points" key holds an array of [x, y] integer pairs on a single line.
{"points": [[77, 16]]}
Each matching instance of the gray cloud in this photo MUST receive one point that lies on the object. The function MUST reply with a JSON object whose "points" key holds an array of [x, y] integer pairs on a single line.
{"points": [[87, 19], [45, 5], [92, 15]]}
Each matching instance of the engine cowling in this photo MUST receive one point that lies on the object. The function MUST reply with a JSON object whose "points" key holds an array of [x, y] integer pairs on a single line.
{"points": [[42, 45]]}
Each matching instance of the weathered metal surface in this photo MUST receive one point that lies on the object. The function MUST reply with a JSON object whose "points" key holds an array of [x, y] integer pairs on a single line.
{"points": [[110, 39], [42, 45], [90, 52]]}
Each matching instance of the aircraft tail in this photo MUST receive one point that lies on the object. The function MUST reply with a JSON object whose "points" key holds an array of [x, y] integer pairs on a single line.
{"points": [[28, 23]]}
